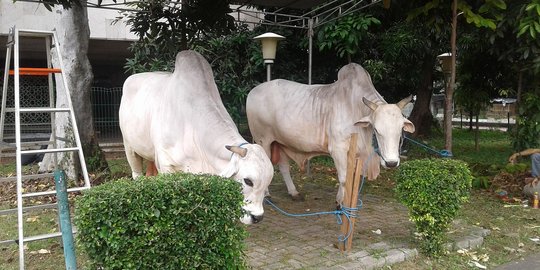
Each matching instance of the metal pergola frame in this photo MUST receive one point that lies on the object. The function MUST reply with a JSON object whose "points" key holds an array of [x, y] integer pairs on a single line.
{"points": [[315, 13]]}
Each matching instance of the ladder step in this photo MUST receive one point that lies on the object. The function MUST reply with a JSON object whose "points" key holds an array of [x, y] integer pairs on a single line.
{"points": [[26, 177], [37, 237], [45, 151], [42, 236], [51, 192], [35, 33], [44, 109], [38, 109], [35, 71], [28, 208]]}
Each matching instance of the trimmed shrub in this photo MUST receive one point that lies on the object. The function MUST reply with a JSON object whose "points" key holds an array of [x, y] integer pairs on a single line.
{"points": [[433, 190], [172, 221]]}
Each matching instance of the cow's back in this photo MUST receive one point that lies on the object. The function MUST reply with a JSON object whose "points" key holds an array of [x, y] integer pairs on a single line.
{"points": [[274, 107], [140, 98]]}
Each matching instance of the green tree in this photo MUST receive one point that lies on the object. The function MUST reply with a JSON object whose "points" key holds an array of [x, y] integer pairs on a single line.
{"points": [[443, 14], [345, 34], [166, 27]]}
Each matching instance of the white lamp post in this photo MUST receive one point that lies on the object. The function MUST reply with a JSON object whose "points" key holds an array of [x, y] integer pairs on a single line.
{"points": [[446, 62], [269, 44]]}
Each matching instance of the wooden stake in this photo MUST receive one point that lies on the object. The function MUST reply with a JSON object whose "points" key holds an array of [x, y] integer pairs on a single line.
{"points": [[352, 182]]}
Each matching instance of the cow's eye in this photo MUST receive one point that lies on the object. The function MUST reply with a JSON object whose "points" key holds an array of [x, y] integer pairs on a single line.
{"points": [[248, 182]]}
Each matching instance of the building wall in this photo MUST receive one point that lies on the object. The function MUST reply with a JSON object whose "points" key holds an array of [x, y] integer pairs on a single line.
{"points": [[35, 16]]}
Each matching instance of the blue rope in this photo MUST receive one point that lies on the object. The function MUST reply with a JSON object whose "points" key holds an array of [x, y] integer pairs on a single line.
{"points": [[348, 212], [442, 153]]}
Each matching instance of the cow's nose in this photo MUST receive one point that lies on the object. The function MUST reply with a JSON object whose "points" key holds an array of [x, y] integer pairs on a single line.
{"points": [[256, 219], [391, 164]]}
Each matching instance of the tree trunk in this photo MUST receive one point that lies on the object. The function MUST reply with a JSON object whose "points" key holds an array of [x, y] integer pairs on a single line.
{"points": [[73, 34], [477, 133], [448, 100], [421, 114]]}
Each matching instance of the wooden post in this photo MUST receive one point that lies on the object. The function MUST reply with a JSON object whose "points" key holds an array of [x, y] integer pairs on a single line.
{"points": [[352, 183]]}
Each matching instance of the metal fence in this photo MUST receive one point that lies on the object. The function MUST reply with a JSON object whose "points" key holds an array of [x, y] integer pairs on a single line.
{"points": [[34, 93], [105, 105]]}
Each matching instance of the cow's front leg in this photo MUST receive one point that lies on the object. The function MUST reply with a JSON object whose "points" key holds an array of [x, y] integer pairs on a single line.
{"points": [[284, 168], [135, 161], [340, 161]]}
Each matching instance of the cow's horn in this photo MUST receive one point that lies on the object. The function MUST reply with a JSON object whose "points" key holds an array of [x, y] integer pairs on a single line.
{"points": [[369, 103], [237, 149], [401, 104]]}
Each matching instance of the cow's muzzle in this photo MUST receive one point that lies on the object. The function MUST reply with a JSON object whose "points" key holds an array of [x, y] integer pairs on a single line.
{"points": [[391, 164], [256, 219]]}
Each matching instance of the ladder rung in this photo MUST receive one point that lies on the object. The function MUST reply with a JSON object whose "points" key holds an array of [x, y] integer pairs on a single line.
{"points": [[35, 71], [43, 109], [34, 33], [38, 109], [26, 177], [42, 236], [50, 192], [10, 241], [28, 208], [45, 151], [37, 237]]}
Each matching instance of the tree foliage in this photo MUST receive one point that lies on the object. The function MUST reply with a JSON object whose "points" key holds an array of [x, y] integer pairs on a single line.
{"points": [[164, 28], [527, 133], [345, 34]]}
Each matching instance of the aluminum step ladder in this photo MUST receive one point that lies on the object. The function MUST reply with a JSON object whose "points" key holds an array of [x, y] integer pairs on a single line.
{"points": [[19, 146]]}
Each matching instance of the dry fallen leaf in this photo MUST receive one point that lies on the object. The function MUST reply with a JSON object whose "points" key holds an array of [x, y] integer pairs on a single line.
{"points": [[44, 251], [477, 264], [32, 219]]}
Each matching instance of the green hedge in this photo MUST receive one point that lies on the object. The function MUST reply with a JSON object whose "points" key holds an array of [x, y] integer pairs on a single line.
{"points": [[433, 190], [172, 221]]}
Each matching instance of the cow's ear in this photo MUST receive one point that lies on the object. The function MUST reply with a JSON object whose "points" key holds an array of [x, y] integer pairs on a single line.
{"points": [[408, 126], [372, 105], [231, 169], [238, 150], [364, 122]]}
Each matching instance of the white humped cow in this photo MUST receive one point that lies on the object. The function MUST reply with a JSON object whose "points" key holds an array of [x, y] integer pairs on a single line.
{"points": [[297, 121], [178, 121]]}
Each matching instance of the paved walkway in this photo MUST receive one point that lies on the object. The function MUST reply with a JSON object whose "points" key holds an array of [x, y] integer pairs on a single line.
{"points": [[281, 242], [531, 262]]}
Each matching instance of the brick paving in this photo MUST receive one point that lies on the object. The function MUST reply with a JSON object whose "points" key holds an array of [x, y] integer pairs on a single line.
{"points": [[283, 242]]}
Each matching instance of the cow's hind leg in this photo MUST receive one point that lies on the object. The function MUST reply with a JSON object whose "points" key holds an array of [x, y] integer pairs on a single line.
{"points": [[135, 161], [284, 168]]}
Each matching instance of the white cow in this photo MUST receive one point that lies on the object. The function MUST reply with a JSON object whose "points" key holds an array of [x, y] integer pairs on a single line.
{"points": [[297, 121], [178, 121]]}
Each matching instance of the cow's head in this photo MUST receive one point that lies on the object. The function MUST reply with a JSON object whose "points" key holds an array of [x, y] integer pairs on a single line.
{"points": [[251, 167], [387, 122]]}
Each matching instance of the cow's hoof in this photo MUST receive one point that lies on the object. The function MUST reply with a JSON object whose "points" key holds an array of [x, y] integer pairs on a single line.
{"points": [[299, 197]]}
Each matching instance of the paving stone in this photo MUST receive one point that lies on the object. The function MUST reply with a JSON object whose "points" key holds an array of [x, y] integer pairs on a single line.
{"points": [[409, 253], [370, 262], [295, 264], [475, 241], [350, 266], [394, 256], [358, 255]]}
